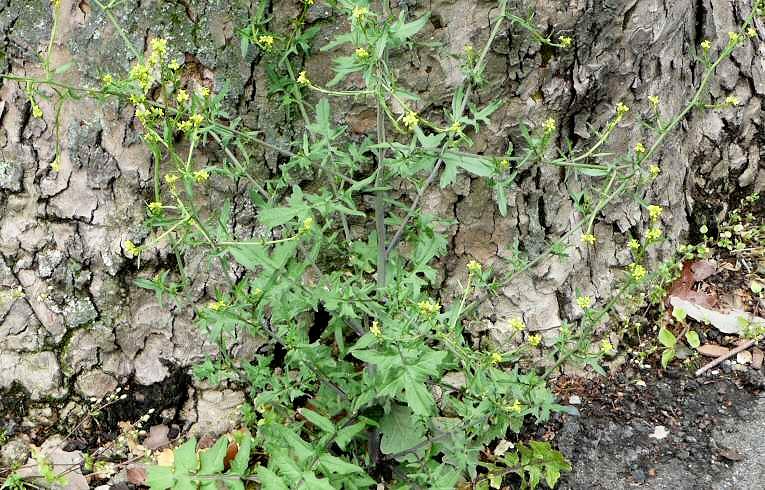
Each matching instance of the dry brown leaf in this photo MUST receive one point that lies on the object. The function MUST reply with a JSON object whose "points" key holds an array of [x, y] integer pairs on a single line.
{"points": [[702, 269], [166, 457], [157, 437], [136, 474]]}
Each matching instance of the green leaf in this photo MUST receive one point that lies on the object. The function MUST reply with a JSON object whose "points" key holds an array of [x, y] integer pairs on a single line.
{"points": [[402, 31], [476, 165], [400, 430], [346, 434], [211, 460], [333, 464], [594, 172], [316, 483], [186, 457], [318, 420], [270, 480], [667, 338], [240, 463], [159, 477], [679, 314], [667, 356], [277, 216], [693, 339], [418, 397]]}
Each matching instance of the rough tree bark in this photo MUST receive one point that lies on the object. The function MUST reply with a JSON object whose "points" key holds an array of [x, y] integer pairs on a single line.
{"points": [[83, 328]]}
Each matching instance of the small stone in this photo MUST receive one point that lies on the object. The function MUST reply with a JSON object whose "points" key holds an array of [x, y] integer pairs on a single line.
{"points": [[744, 357], [575, 400], [639, 475], [713, 350], [13, 453], [757, 358]]}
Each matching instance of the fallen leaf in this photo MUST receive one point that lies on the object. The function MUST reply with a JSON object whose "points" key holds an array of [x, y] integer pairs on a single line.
{"points": [[166, 457], [730, 322], [233, 449], [502, 447], [659, 432], [731, 454], [157, 437], [713, 350], [683, 288], [757, 358], [136, 474], [702, 269]]}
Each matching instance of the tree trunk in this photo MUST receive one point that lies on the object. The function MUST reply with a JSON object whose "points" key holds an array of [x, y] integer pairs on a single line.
{"points": [[82, 327]]}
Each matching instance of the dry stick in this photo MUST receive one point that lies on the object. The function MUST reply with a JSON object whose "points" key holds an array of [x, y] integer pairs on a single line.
{"points": [[723, 357]]}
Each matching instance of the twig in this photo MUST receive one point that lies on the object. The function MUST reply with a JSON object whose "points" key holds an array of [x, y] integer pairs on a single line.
{"points": [[723, 357]]}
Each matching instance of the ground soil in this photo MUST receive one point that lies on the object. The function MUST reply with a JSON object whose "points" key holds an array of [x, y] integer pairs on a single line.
{"points": [[709, 422]]}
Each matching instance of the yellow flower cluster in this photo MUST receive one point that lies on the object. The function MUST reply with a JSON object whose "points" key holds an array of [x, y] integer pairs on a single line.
{"points": [[654, 100], [359, 13], [637, 271], [375, 329], [411, 120], [706, 45], [589, 238], [534, 340], [566, 41], [428, 308], [266, 41], [517, 325], [653, 234], [654, 170], [155, 207], [474, 267], [132, 249], [36, 110], [549, 125], [201, 176], [362, 53], [302, 79], [496, 358], [584, 302], [217, 305], [654, 212], [606, 347], [622, 109], [639, 148], [307, 225]]}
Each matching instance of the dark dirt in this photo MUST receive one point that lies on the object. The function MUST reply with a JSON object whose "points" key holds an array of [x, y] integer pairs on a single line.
{"points": [[610, 444]]}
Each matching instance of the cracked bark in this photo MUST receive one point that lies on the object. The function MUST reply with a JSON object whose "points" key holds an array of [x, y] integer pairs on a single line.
{"points": [[83, 327]]}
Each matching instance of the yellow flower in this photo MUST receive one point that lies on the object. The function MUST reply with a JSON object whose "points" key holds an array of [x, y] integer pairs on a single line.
{"points": [[654, 100], [197, 119], [159, 46], [751, 32], [517, 325], [55, 166], [566, 41], [639, 148], [504, 164], [654, 170], [706, 45], [734, 37], [634, 244], [731, 100], [456, 127], [359, 13], [362, 53], [496, 358], [36, 110], [621, 109], [107, 79], [584, 302], [302, 79], [534, 340], [411, 120], [132, 249], [308, 2], [428, 308], [589, 238], [606, 347], [204, 91], [474, 267], [266, 41], [375, 329], [155, 206], [182, 96], [185, 126], [654, 211], [173, 65], [549, 125], [469, 50], [307, 225], [171, 179], [653, 234], [217, 305], [201, 176], [637, 271], [516, 407]]}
